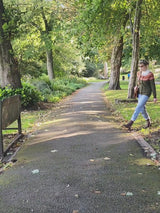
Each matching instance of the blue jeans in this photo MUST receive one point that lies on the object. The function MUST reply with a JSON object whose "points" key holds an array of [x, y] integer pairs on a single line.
{"points": [[142, 99]]}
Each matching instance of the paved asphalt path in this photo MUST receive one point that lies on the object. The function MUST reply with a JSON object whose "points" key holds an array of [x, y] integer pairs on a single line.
{"points": [[85, 163]]}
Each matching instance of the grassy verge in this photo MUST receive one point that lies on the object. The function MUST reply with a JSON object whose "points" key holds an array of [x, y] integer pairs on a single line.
{"points": [[124, 111]]}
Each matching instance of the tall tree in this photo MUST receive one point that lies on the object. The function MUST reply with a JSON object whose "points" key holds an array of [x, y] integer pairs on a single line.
{"points": [[135, 50], [41, 16], [117, 52], [49, 18], [44, 18], [48, 42], [9, 73], [101, 22]]}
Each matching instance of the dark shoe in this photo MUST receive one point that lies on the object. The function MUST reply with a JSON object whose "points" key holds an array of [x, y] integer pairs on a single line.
{"points": [[128, 126], [148, 124]]}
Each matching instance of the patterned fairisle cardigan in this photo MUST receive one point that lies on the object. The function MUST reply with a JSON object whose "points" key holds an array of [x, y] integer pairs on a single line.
{"points": [[146, 84]]}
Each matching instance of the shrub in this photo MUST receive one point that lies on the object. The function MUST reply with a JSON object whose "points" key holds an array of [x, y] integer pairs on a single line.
{"points": [[29, 94], [42, 89]]}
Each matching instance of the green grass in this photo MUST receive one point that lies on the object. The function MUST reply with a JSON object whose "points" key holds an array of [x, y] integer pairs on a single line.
{"points": [[29, 120], [93, 79], [125, 110]]}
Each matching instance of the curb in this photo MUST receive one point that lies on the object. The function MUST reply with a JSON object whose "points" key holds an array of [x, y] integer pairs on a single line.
{"points": [[148, 150]]}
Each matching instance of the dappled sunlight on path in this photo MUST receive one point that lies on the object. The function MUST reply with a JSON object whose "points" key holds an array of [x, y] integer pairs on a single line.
{"points": [[80, 161]]}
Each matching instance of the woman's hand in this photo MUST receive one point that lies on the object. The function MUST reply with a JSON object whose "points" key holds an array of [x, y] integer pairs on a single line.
{"points": [[155, 100]]}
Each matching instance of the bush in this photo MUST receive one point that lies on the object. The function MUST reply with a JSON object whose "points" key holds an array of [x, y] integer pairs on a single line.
{"points": [[42, 89], [67, 85], [29, 94], [53, 91]]}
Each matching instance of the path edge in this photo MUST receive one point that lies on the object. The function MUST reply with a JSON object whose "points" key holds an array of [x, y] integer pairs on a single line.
{"points": [[147, 148]]}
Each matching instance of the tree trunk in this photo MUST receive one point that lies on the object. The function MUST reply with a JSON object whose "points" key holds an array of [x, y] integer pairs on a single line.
{"points": [[116, 64], [9, 74], [105, 69], [135, 50], [48, 44], [50, 64]]}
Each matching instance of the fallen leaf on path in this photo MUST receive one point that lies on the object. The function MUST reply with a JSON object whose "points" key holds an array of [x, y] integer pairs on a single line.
{"points": [[123, 193], [54, 150], [106, 158], [36, 171], [129, 194], [97, 192], [75, 211], [76, 195]]}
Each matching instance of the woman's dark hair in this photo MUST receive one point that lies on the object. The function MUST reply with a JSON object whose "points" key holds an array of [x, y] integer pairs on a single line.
{"points": [[143, 61]]}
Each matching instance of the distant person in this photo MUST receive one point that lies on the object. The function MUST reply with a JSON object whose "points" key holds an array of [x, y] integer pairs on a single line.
{"points": [[128, 76], [146, 86]]}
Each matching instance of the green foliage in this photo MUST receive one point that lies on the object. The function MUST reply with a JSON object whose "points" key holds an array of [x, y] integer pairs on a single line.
{"points": [[30, 54], [152, 51], [66, 86], [29, 94], [90, 69], [43, 89], [70, 28], [55, 90], [67, 59], [13, 19], [43, 85]]}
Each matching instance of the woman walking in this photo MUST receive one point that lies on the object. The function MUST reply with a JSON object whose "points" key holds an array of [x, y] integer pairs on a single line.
{"points": [[146, 86]]}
